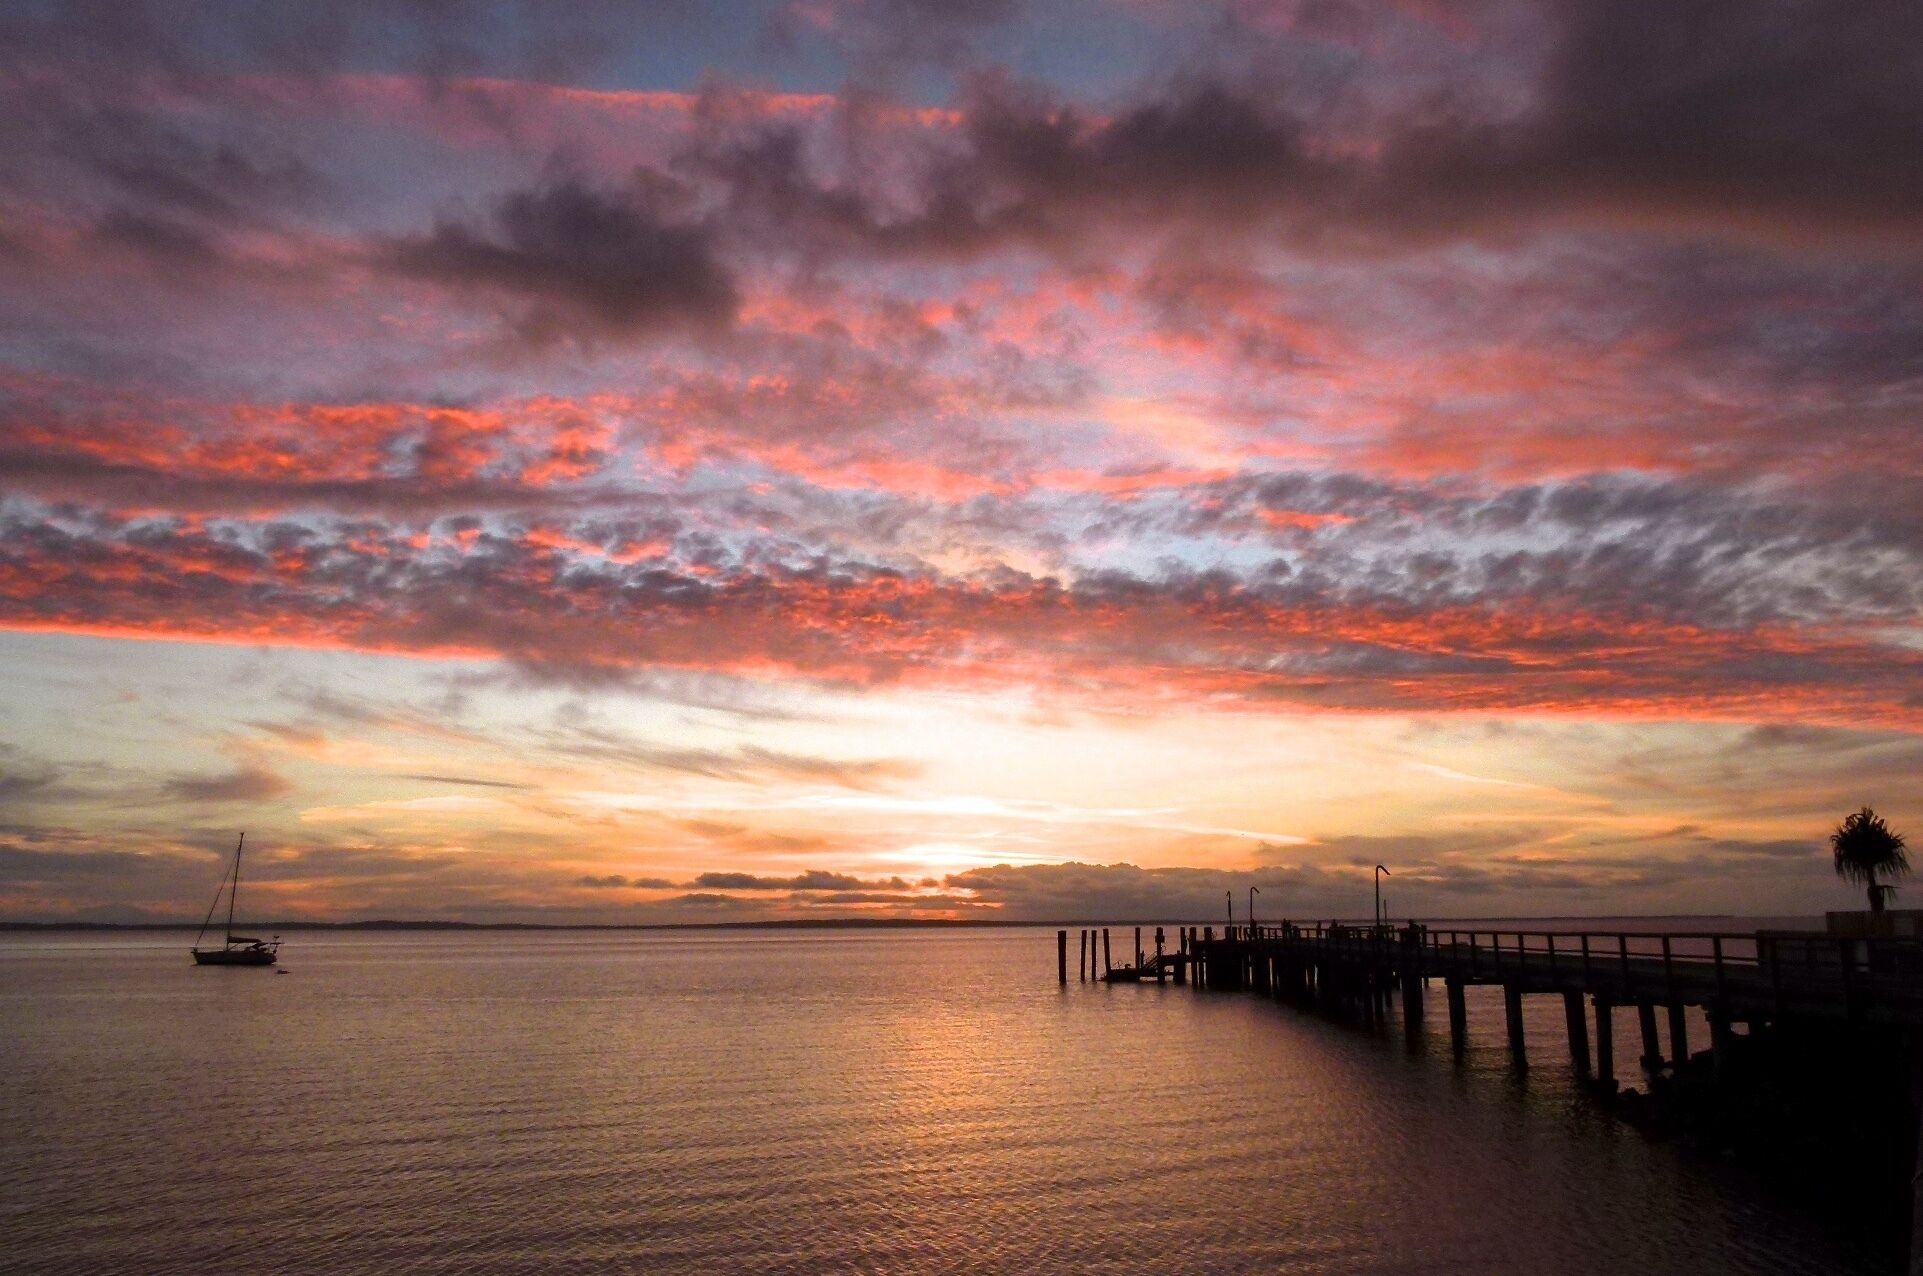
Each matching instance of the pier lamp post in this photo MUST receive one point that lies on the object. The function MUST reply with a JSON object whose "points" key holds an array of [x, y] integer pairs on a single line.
{"points": [[1230, 896], [1380, 873], [1253, 892]]}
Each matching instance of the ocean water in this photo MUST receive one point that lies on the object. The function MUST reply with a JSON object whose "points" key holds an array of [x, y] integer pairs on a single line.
{"points": [[780, 1101]]}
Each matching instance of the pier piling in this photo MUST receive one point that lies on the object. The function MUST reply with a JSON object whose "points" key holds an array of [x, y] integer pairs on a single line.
{"points": [[1720, 1037], [1605, 1045], [1652, 1047], [1106, 964], [1678, 1035], [1578, 1023], [1512, 1011], [1458, 1017], [1061, 954]]}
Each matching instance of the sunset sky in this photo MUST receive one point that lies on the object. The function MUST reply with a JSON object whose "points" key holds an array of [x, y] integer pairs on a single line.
{"points": [[669, 462]]}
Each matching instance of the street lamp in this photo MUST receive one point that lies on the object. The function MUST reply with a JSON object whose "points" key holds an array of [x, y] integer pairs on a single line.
{"points": [[1380, 873], [1230, 895], [1253, 892]]}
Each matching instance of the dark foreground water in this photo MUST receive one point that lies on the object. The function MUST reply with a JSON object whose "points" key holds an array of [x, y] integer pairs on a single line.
{"points": [[790, 1102]]}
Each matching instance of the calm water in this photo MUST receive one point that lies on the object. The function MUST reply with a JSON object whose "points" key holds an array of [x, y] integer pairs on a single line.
{"points": [[783, 1102]]}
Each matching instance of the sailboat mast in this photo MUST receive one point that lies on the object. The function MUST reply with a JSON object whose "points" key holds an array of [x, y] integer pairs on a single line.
{"points": [[212, 905], [236, 891]]}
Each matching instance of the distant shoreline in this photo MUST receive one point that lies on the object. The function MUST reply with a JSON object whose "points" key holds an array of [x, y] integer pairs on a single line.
{"points": [[839, 923]]}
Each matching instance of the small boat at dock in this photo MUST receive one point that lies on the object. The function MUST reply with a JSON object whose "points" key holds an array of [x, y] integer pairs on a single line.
{"points": [[238, 950]]}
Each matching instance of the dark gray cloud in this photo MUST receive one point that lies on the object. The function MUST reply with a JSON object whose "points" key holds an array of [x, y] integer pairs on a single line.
{"points": [[1787, 110], [24, 777], [242, 784], [712, 901], [958, 904], [1461, 881], [613, 881], [1646, 114], [22, 866], [582, 261], [815, 880], [174, 242]]}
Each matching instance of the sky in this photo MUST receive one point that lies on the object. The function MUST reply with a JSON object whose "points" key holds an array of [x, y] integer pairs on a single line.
{"points": [[665, 462]]}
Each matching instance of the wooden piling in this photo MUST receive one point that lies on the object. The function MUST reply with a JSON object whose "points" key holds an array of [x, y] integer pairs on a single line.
{"points": [[1721, 1038], [1081, 957], [1512, 1010], [1138, 948], [1652, 1046], [1678, 1035], [1605, 1045], [1578, 1023], [1408, 964], [1106, 966], [1061, 955], [1458, 1016], [1161, 971]]}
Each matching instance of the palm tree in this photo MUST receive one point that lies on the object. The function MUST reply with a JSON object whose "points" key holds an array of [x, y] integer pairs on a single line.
{"points": [[1865, 846]]}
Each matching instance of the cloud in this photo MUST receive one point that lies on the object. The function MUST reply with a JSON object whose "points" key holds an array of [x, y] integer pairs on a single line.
{"points": [[710, 900], [891, 36], [24, 778], [1629, 128], [612, 881], [810, 881], [748, 763], [1459, 882], [242, 784], [1488, 360], [467, 780], [584, 261], [1632, 622], [22, 866]]}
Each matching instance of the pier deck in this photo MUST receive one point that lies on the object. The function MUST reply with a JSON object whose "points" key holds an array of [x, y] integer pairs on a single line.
{"points": [[1745, 976]]}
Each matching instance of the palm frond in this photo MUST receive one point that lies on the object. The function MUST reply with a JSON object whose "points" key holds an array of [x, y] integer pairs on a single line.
{"points": [[1865, 848]]}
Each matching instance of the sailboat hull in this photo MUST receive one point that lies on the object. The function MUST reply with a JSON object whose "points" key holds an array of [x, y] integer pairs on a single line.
{"points": [[232, 957]]}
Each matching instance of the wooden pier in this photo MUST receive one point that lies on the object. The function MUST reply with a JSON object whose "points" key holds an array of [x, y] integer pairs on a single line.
{"points": [[1773, 1000], [1735, 978], [1157, 966]]}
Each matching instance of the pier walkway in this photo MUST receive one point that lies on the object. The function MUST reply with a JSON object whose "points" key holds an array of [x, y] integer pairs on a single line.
{"points": [[1735, 978]]}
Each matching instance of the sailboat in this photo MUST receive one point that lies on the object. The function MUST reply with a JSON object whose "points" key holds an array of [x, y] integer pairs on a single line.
{"points": [[239, 950]]}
